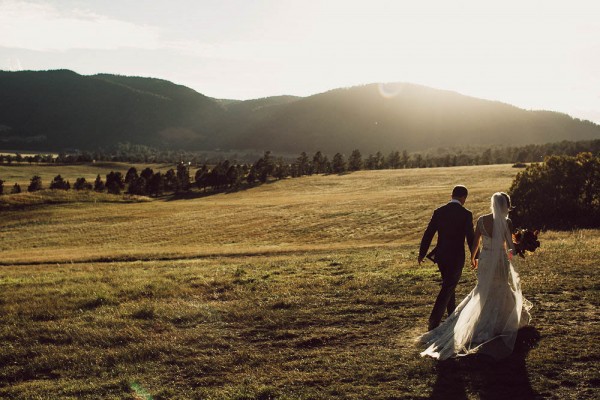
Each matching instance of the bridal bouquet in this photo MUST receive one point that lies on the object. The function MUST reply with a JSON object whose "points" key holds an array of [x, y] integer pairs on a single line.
{"points": [[525, 240]]}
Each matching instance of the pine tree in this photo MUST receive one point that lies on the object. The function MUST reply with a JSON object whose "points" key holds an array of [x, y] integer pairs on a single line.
{"points": [[170, 181], [183, 177], [338, 164], [99, 185], [138, 186], [35, 184], [16, 189], [379, 161], [251, 178], [82, 184], [58, 183], [318, 163], [233, 176], [155, 184], [303, 164], [115, 182], [131, 175], [355, 161], [264, 166], [405, 159], [147, 173], [201, 177], [393, 160]]}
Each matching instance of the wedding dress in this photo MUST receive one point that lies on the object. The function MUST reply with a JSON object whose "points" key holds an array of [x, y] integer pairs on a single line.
{"points": [[487, 320]]}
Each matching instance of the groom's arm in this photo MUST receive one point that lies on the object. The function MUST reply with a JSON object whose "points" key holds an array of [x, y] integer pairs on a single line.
{"points": [[469, 234], [432, 228]]}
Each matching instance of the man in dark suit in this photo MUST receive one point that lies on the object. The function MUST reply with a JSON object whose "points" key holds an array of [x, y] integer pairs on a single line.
{"points": [[453, 224]]}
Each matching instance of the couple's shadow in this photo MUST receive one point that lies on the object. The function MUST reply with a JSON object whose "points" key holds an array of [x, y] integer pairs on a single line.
{"points": [[505, 379]]}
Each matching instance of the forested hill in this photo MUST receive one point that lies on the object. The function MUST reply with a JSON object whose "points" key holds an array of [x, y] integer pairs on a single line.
{"points": [[405, 116], [54, 110], [61, 109]]}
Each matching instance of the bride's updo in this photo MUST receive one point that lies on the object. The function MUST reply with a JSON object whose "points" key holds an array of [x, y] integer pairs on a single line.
{"points": [[500, 204]]}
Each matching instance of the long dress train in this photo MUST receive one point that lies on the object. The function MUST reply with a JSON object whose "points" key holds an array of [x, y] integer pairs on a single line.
{"points": [[487, 320]]}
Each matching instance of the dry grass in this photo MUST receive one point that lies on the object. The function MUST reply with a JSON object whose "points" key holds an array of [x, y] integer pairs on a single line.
{"points": [[305, 288], [364, 209]]}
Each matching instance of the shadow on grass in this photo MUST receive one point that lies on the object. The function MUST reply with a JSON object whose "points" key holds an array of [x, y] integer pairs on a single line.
{"points": [[489, 379], [200, 193]]}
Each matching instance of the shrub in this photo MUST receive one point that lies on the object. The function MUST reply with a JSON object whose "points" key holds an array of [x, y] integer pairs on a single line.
{"points": [[35, 184], [99, 185], [82, 184], [59, 183], [561, 193]]}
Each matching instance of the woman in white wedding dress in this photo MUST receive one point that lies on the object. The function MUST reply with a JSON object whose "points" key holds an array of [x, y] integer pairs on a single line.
{"points": [[487, 320]]}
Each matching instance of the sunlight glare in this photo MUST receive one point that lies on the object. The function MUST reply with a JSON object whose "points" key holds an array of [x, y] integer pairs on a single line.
{"points": [[390, 90]]}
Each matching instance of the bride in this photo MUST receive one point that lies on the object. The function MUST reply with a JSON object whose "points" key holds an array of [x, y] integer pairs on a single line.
{"points": [[487, 320]]}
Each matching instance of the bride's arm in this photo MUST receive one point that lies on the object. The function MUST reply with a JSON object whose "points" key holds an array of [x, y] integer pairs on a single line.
{"points": [[510, 232], [475, 245]]}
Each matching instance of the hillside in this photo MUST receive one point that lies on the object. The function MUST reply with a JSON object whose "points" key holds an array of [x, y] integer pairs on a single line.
{"points": [[54, 110], [60, 109], [416, 117]]}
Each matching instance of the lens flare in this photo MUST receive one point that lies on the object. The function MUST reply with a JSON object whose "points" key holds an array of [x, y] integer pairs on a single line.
{"points": [[390, 90]]}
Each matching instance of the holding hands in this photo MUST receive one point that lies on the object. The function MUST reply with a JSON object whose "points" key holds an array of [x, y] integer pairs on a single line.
{"points": [[474, 263]]}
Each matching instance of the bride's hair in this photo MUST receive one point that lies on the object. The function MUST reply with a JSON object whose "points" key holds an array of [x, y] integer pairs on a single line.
{"points": [[500, 205], [500, 208]]}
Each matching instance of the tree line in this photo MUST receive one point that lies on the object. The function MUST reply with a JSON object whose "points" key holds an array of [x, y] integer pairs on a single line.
{"points": [[448, 157], [563, 192], [224, 175]]}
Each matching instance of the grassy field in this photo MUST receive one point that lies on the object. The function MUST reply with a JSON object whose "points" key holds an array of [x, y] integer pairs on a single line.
{"points": [[23, 172], [305, 288]]}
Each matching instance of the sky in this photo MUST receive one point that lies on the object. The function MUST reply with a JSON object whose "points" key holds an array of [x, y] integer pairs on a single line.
{"points": [[532, 54]]}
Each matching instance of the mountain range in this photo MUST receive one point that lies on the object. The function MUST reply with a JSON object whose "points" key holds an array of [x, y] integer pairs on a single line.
{"points": [[60, 109]]}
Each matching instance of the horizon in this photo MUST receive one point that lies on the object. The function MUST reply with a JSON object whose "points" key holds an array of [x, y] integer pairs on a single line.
{"points": [[547, 59]]}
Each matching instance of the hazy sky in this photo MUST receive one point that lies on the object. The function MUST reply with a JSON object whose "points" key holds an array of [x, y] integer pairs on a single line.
{"points": [[533, 54]]}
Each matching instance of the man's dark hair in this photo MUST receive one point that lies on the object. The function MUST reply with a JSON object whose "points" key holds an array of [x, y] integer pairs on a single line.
{"points": [[460, 191]]}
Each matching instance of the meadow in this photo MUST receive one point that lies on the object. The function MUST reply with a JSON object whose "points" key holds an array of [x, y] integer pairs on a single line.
{"points": [[304, 288]]}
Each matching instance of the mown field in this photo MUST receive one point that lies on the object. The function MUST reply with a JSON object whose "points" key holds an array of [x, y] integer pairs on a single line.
{"points": [[305, 288]]}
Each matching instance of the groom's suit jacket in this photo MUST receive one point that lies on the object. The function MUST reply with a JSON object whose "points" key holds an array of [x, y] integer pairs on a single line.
{"points": [[453, 224]]}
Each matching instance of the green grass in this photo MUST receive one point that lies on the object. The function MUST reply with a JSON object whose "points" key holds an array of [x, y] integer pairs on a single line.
{"points": [[302, 289]]}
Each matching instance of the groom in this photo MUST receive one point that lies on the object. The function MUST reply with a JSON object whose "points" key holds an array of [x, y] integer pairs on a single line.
{"points": [[453, 223]]}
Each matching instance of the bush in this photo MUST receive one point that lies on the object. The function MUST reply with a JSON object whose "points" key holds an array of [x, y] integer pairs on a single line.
{"points": [[35, 184], [99, 186], [59, 183], [82, 184], [561, 193]]}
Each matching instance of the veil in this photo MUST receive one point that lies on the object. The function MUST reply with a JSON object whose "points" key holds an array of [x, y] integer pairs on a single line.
{"points": [[501, 235]]}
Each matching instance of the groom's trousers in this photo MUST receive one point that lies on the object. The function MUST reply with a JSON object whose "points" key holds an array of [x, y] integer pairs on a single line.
{"points": [[446, 300]]}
